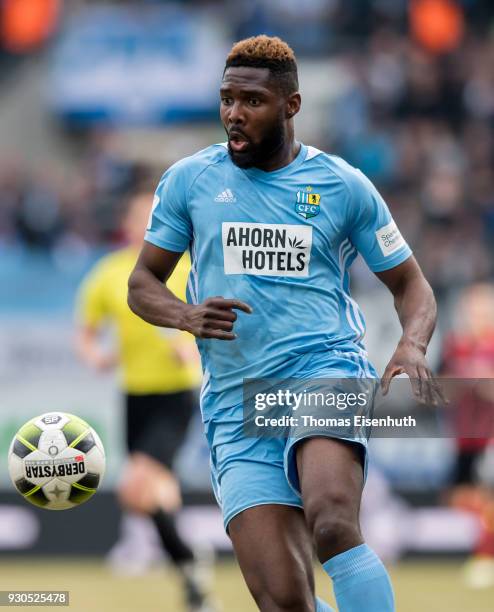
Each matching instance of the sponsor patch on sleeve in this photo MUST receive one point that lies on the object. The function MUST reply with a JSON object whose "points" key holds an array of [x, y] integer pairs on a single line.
{"points": [[389, 239]]}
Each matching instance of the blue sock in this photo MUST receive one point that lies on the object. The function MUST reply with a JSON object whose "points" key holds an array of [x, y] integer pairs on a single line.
{"points": [[360, 581], [322, 606]]}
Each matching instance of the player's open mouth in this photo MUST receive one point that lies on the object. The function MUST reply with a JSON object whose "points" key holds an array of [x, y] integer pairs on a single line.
{"points": [[238, 142]]}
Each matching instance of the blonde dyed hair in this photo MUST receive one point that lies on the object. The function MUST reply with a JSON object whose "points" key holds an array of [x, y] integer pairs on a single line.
{"points": [[262, 48], [267, 52]]}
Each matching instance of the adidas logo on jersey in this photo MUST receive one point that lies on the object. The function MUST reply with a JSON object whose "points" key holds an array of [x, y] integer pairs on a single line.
{"points": [[225, 196]]}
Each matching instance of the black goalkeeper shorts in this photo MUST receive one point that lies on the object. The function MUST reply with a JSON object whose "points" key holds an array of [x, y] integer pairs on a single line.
{"points": [[157, 423]]}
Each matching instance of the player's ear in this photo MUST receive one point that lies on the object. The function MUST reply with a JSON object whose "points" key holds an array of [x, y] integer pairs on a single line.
{"points": [[293, 103]]}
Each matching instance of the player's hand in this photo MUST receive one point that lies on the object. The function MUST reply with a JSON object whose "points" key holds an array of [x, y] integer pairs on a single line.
{"points": [[409, 359], [102, 361], [214, 318]]}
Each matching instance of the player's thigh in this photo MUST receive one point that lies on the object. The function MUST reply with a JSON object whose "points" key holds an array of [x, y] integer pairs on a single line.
{"points": [[263, 517], [274, 551], [142, 468], [246, 472], [331, 477]]}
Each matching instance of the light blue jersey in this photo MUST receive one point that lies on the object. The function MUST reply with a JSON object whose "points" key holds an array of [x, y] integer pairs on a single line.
{"points": [[282, 242]]}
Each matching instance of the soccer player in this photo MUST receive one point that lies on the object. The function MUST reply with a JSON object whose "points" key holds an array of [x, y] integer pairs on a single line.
{"points": [[273, 226], [158, 378]]}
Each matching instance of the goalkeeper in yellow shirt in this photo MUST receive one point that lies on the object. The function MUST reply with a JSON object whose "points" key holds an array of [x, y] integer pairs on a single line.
{"points": [[159, 370]]}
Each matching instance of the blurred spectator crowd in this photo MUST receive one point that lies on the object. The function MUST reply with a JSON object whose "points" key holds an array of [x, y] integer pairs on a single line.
{"points": [[415, 113], [420, 125], [46, 208]]}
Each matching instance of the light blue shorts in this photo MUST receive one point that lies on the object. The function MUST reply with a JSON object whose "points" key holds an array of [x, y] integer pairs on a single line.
{"points": [[250, 471]]}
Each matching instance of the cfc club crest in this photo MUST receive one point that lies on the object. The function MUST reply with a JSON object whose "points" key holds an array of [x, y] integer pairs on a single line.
{"points": [[308, 203]]}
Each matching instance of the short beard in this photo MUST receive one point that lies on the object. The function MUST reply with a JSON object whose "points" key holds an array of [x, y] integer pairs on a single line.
{"points": [[259, 154]]}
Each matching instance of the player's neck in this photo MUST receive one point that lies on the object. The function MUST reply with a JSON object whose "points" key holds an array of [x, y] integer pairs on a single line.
{"points": [[283, 157]]}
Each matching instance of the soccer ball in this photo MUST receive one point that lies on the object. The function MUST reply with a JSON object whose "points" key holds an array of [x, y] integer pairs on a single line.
{"points": [[56, 461]]}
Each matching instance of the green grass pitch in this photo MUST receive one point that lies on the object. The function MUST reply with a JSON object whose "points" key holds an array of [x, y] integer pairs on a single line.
{"points": [[420, 586]]}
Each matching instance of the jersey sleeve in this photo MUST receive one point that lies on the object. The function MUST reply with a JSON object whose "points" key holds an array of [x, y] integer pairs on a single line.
{"points": [[91, 304], [372, 229], [169, 225]]}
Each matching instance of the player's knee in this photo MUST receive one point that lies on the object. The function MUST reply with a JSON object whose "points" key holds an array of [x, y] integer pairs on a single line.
{"points": [[333, 522], [167, 493], [126, 496], [335, 534], [130, 495], [135, 492], [147, 486]]}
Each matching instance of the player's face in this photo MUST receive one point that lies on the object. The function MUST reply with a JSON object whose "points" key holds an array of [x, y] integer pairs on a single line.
{"points": [[254, 115]]}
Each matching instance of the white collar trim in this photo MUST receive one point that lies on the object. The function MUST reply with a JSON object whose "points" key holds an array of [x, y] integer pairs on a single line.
{"points": [[312, 152]]}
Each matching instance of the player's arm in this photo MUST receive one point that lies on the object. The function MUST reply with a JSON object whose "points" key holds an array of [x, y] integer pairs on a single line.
{"points": [[91, 314], [378, 239], [416, 307], [150, 299], [89, 349]]}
